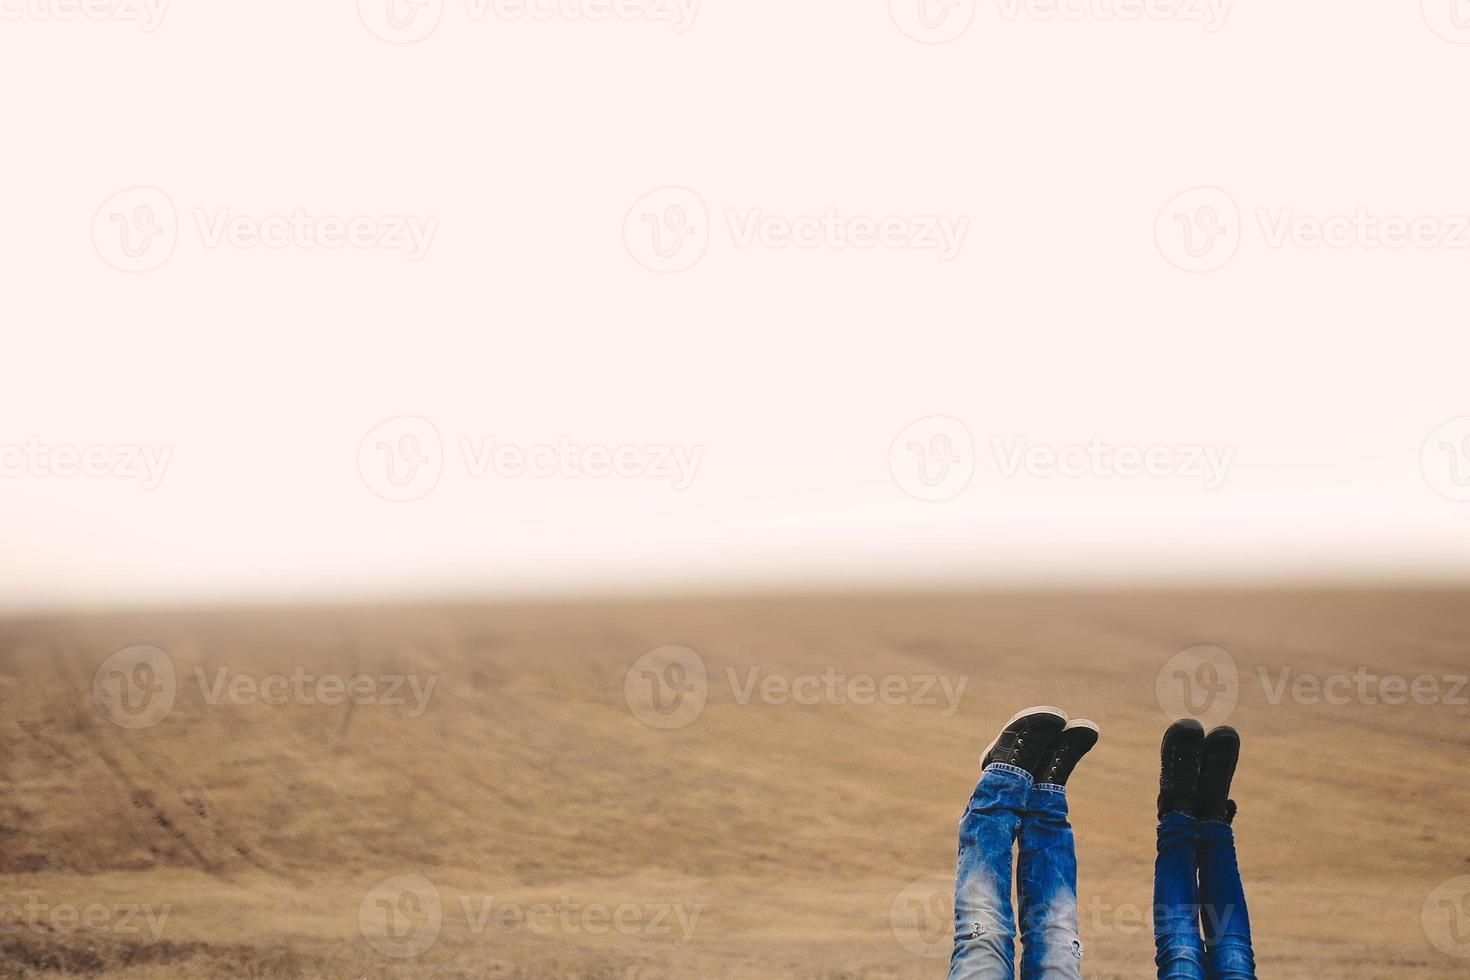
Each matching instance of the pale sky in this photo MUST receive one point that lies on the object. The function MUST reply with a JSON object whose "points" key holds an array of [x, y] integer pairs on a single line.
{"points": [[772, 252]]}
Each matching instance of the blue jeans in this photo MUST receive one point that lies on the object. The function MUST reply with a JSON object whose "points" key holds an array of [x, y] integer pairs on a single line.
{"points": [[1197, 885], [1007, 808]]}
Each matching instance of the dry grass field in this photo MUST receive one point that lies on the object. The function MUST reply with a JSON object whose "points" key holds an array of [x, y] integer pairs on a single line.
{"points": [[518, 818]]}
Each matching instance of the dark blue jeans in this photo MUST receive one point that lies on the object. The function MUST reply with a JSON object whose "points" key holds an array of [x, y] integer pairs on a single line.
{"points": [[1202, 930], [1006, 809]]}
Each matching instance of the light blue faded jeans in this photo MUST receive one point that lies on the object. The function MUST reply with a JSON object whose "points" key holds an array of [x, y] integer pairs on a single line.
{"points": [[1006, 809]]}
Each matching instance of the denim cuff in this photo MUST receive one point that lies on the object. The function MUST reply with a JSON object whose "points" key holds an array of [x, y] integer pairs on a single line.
{"points": [[1049, 788], [1013, 770]]}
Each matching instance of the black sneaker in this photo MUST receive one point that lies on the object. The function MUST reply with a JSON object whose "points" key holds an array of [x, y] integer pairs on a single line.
{"points": [[1069, 748], [1179, 759], [1026, 738], [1216, 770]]}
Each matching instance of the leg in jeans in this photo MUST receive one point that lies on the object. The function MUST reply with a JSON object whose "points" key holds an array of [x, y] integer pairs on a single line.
{"points": [[1227, 926], [1046, 883], [985, 931], [1180, 950]]}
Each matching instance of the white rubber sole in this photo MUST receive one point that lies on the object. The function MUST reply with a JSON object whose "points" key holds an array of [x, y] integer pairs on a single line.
{"points": [[1083, 723], [1040, 709]]}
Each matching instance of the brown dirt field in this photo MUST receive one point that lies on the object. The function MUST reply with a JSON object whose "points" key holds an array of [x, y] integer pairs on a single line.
{"points": [[561, 836]]}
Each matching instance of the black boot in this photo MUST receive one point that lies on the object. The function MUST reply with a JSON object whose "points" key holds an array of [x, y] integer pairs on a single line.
{"points": [[1069, 748], [1217, 768], [1179, 761], [1026, 739]]}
